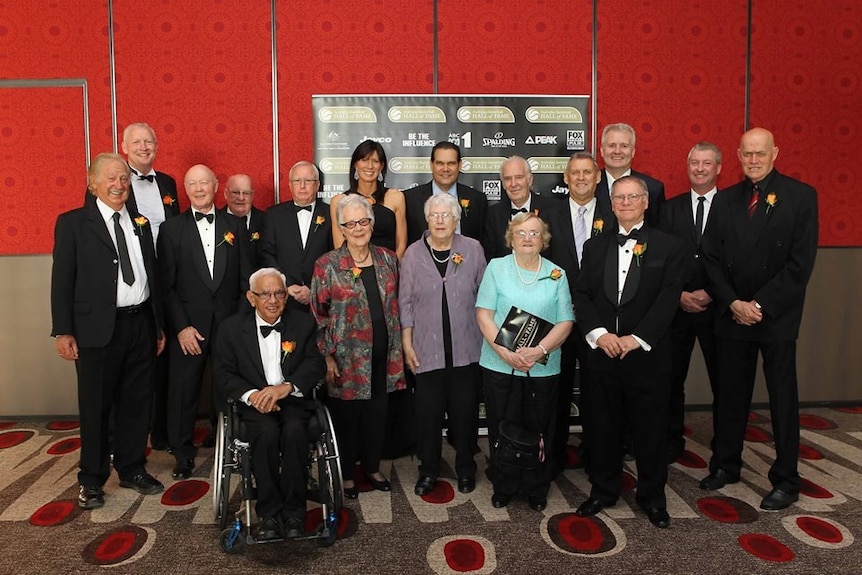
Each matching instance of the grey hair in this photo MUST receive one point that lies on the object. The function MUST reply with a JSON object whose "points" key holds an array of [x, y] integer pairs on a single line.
{"points": [[353, 201], [134, 125], [304, 163], [618, 127], [508, 161], [445, 200], [262, 273], [706, 147]]}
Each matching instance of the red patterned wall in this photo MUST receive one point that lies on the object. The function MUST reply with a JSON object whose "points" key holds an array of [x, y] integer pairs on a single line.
{"points": [[199, 71]]}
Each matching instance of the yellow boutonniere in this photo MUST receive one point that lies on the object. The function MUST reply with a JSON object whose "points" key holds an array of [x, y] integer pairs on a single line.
{"points": [[287, 348], [555, 274], [355, 272], [228, 237], [598, 226], [140, 221], [771, 200], [465, 205], [255, 236], [638, 252], [319, 221], [168, 201]]}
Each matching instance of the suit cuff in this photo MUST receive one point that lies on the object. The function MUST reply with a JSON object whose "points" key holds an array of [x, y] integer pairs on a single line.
{"points": [[593, 336]]}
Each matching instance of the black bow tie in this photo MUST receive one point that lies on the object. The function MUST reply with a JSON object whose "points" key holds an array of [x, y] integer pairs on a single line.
{"points": [[200, 215], [633, 235], [300, 208], [149, 178], [265, 330], [516, 211]]}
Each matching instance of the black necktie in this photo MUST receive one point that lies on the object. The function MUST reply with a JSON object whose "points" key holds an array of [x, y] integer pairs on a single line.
{"points": [[516, 211], [633, 235], [300, 208], [149, 178], [200, 215], [123, 251], [698, 219], [265, 330]]}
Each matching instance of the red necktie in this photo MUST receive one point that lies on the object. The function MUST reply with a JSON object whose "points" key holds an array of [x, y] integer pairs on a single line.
{"points": [[752, 204]]}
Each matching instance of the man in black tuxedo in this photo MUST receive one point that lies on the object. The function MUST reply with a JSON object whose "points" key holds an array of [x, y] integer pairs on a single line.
{"points": [[106, 311], [296, 233], [618, 152], [204, 271], [239, 197], [685, 217], [625, 300], [572, 224], [445, 169], [759, 247], [517, 179], [268, 362]]}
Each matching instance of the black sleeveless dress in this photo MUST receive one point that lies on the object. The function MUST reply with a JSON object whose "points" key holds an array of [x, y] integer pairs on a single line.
{"points": [[384, 225]]}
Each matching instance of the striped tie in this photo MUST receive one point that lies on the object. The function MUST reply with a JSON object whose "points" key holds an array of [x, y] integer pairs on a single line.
{"points": [[752, 203]]}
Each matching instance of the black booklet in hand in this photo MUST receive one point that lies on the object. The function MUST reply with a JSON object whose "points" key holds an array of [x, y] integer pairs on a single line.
{"points": [[523, 329]]}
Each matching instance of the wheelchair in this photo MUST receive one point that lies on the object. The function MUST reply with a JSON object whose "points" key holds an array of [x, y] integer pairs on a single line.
{"points": [[233, 457]]}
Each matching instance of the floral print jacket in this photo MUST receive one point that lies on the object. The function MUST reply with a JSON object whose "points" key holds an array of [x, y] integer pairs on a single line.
{"points": [[340, 306]]}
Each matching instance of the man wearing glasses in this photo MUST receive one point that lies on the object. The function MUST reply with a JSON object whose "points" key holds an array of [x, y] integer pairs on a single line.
{"points": [[239, 194], [296, 233], [625, 300]]}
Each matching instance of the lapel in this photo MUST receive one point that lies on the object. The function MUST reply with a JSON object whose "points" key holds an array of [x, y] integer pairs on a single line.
{"points": [[222, 227], [289, 333], [321, 210], [249, 337], [98, 226], [611, 274], [292, 225], [688, 218], [192, 241], [568, 233], [633, 276]]}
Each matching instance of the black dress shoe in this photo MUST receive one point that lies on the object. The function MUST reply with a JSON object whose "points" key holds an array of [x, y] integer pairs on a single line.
{"points": [[537, 503], [425, 485], [90, 497], [380, 485], [658, 516], [268, 530], [466, 484], [143, 483], [184, 468], [294, 527], [498, 500], [589, 507], [779, 499], [351, 492], [717, 480]]}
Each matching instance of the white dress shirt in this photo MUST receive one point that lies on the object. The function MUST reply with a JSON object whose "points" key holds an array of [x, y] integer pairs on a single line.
{"points": [[303, 220], [149, 199], [707, 204], [139, 291], [208, 239]]}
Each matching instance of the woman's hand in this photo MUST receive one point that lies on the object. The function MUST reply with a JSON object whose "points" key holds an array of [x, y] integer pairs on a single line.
{"points": [[513, 359], [332, 373]]}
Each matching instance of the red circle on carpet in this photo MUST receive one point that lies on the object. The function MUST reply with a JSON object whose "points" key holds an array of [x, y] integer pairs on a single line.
{"points": [[343, 527], [464, 555], [850, 409], [115, 546], [809, 421], [811, 489], [442, 493], [819, 529], [13, 438], [718, 509], [581, 533], [756, 435], [691, 460], [62, 425], [185, 492], [686, 431], [629, 482], [808, 452], [65, 446], [53, 513], [573, 458], [7, 424], [754, 417], [766, 547]]}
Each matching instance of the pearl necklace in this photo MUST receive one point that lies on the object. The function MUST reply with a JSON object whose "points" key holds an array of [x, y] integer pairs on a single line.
{"points": [[444, 260], [535, 276]]}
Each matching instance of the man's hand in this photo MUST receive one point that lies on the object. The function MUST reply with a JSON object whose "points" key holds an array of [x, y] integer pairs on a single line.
{"points": [[66, 346], [300, 293], [745, 312], [266, 400], [332, 373], [161, 341], [694, 301], [628, 343], [189, 338]]}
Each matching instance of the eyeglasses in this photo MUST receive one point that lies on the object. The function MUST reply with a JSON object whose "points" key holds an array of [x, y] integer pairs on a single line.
{"points": [[241, 193], [528, 234], [618, 199], [302, 182], [280, 295], [445, 216], [363, 223]]}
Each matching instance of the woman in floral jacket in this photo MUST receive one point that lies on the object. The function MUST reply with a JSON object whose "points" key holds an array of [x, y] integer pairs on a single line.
{"points": [[354, 298]]}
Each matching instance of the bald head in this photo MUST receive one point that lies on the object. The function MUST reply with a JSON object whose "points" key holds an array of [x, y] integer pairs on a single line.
{"points": [[757, 153], [201, 186]]}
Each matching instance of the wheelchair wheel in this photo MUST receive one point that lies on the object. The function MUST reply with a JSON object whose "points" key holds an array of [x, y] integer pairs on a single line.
{"points": [[231, 541], [330, 487], [221, 471]]}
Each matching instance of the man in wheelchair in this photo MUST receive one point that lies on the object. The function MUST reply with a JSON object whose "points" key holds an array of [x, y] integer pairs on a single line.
{"points": [[269, 364]]}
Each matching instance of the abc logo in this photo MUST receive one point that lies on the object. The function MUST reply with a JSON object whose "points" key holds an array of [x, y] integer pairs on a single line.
{"points": [[532, 114], [325, 115]]}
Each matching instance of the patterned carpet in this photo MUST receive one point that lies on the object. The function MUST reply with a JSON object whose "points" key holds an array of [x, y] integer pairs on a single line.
{"points": [[43, 531]]}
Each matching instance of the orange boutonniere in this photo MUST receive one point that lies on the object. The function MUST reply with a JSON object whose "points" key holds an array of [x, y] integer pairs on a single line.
{"points": [[140, 221], [255, 236], [287, 348], [355, 272], [598, 226], [465, 205], [555, 274], [168, 201], [638, 252], [457, 259], [771, 200], [319, 221], [228, 237]]}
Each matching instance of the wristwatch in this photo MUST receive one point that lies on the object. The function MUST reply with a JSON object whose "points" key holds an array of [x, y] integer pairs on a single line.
{"points": [[544, 351]]}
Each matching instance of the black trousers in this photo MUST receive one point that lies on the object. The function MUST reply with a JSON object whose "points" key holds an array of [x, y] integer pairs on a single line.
{"points": [[453, 392], [532, 405], [686, 328], [573, 351], [279, 456], [119, 375], [159, 424], [641, 399], [736, 383]]}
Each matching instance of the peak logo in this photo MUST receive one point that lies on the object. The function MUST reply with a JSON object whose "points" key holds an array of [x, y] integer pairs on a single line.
{"points": [[541, 140], [498, 141]]}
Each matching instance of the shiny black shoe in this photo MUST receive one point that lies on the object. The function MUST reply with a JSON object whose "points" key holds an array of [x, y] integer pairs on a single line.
{"points": [[537, 503], [143, 483], [379, 485], [268, 530], [590, 507], [717, 480], [779, 499], [90, 497], [498, 500], [183, 469], [466, 484], [425, 485], [294, 527], [351, 492], [658, 516]]}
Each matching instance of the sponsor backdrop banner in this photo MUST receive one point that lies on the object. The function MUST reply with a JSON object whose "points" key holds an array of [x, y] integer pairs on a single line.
{"points": [[545, 130]]}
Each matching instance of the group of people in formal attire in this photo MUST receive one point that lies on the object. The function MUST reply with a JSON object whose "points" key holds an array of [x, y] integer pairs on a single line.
{"points": [[384, 290]]}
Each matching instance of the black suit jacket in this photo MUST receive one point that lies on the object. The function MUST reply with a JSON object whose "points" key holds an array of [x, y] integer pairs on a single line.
{"points": [[255, 235], [237, 364], [498, 218], [677, 219], [767, 258], [84, 276], [192, 297], [656, 197], [563, 251], [472, 218], [281, 244], [648, 303]]}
